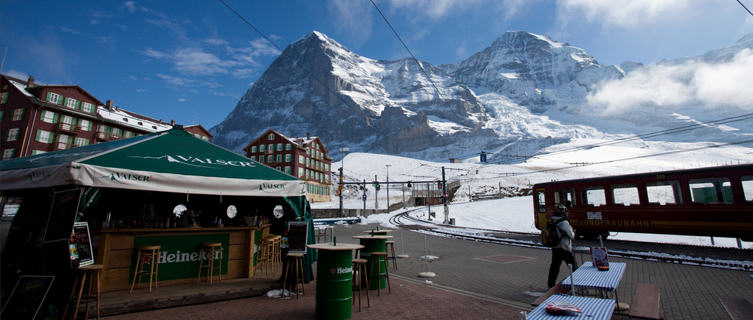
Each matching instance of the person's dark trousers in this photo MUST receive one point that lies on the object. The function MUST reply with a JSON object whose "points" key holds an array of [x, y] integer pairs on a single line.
{"points": [[559, 255]]}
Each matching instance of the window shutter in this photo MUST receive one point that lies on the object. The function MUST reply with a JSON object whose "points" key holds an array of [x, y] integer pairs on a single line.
{"points": [[78, 105], [41, 115], [55, 118], [48, 96]]}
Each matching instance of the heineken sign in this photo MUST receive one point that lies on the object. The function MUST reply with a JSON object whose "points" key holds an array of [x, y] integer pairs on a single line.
{"points": [[179, 254]]}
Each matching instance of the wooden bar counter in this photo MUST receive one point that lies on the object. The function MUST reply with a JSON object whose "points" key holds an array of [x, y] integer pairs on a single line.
{"points": [[178, 260]]}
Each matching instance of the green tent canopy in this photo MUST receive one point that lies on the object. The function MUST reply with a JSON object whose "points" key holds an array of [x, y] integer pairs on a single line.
{"points": [[168, 161]]}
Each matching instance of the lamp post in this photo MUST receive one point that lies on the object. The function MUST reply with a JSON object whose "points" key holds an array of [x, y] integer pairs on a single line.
{"points": [[340, 185], [388, 186]]}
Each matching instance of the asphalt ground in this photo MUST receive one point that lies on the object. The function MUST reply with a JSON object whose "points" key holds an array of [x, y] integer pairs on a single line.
{"points": [[477, 280]]}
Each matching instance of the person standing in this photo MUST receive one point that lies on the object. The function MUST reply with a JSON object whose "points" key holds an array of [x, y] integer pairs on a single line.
{"points": [[563, 251]]}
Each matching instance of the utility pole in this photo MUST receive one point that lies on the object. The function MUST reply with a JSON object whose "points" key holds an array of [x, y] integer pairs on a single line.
{"points": [[340, 190], [428, 198], [376, 194], [444, 199], [364, 197], [402, 186], [388, 186]]}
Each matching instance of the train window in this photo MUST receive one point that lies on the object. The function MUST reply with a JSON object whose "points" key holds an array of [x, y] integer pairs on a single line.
{"points": [[594, 196], [748, 188], [565, 196], [665, 192], [625, 194], [541, 200], [715, 190]]}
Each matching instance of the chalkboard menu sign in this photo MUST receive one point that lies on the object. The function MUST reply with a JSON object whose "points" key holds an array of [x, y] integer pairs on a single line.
{"points": [[62, 215], [80, 245], [297, 235], [27, 297]]}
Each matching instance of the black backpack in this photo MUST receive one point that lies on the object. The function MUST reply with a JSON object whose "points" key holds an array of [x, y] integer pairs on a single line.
{"points": [[551, 236]]}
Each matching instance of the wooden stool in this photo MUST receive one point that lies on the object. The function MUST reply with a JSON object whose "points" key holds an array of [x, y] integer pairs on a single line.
{"points": [[207, 253], [296, 258], [270, 253], [359, 266], [378, 258], [146, 254], [390, 245], [93, 272]]}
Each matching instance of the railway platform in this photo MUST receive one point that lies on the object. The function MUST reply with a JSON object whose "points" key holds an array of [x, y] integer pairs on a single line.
{"points": [[485, 280]]}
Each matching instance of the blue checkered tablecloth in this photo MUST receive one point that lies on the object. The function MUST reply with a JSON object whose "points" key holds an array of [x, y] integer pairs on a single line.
{"points": [[592, 308], [589, 277]]}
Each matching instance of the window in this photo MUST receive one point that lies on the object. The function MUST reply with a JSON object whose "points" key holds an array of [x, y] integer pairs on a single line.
{"points": [[36, 152], [8, 153], [279, 158], [300, 159], [625, 194], [288, 157], [4, 97], [308, 162], [564, 196], [300, 172], [261, 159], [262, 148], [663, 193], [252, 158], [18, 114], [270, 158], [747, 183], [288, 170], [87, 107], [127, 134], [271, 136], [63, 142], [44, 136], [102, 128], [48, 116], [271, 147], [279, 147], [71, 103], [594, 196], [115, 133], [84, 125], [714, 190], [288, 147], [54, 98], [253, 149], [12, 134], [80, 142], [66, 122]]}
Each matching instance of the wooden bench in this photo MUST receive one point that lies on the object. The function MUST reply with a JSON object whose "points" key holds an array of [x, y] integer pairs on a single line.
{"points": [[737, 308], [556, 289], [646, 302]]}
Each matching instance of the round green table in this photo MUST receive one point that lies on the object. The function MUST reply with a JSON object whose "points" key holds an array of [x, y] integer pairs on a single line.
{"points": [[374, 243], [334, 279]]}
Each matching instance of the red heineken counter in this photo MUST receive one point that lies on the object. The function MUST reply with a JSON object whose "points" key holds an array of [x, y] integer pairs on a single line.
{"points": [[178, 259]]}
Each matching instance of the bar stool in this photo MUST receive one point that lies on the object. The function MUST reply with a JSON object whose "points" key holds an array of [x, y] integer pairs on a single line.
{"points": [[296, 258], [93, 272], [147, 254], [359, 266], [207, 253], [270, 253], [379, 258], [390, 245]]}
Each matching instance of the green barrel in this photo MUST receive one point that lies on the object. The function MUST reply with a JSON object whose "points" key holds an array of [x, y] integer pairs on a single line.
{"points": [[334, 284], [369, 246]]}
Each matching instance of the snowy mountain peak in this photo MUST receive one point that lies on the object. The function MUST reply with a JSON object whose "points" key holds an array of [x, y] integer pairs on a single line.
{"points": [[746, 38]]}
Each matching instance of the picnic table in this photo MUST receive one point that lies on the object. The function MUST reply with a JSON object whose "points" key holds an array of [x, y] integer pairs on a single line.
{"points": [[592, 308], [589, 277]]}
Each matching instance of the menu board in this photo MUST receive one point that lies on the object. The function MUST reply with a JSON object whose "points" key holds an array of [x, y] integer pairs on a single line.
{"points": [[80, 245], [27, 297], [297, 235], [62, 214]]}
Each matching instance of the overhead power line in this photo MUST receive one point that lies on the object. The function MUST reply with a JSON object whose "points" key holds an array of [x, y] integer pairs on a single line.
{"points": [[704, 124], [251, 25], [744, 7], [406, 48]]}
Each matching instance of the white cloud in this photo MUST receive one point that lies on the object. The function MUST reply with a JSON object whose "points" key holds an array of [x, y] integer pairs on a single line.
{"points": [[435, 9], [154, 53], [624, 13], [197, 62], [182, 99], [215, 41], [676, 85]]}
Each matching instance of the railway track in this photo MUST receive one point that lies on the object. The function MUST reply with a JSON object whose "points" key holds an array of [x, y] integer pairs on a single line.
{"points": [[736, 259]]}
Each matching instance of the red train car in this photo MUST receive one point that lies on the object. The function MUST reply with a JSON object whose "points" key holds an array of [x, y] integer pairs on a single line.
{"points": [[714, 201]]}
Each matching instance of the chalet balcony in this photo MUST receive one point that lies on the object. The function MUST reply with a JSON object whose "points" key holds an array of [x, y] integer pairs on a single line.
{"points": [[67, 127], [62, 145], [103, 136]]}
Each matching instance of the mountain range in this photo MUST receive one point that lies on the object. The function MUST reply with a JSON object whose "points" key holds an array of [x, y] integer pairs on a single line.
{"points": [[522, 94]]}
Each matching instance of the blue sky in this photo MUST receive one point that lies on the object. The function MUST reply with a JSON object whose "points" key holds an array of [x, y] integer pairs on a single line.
{"points": [[192, 61]]}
